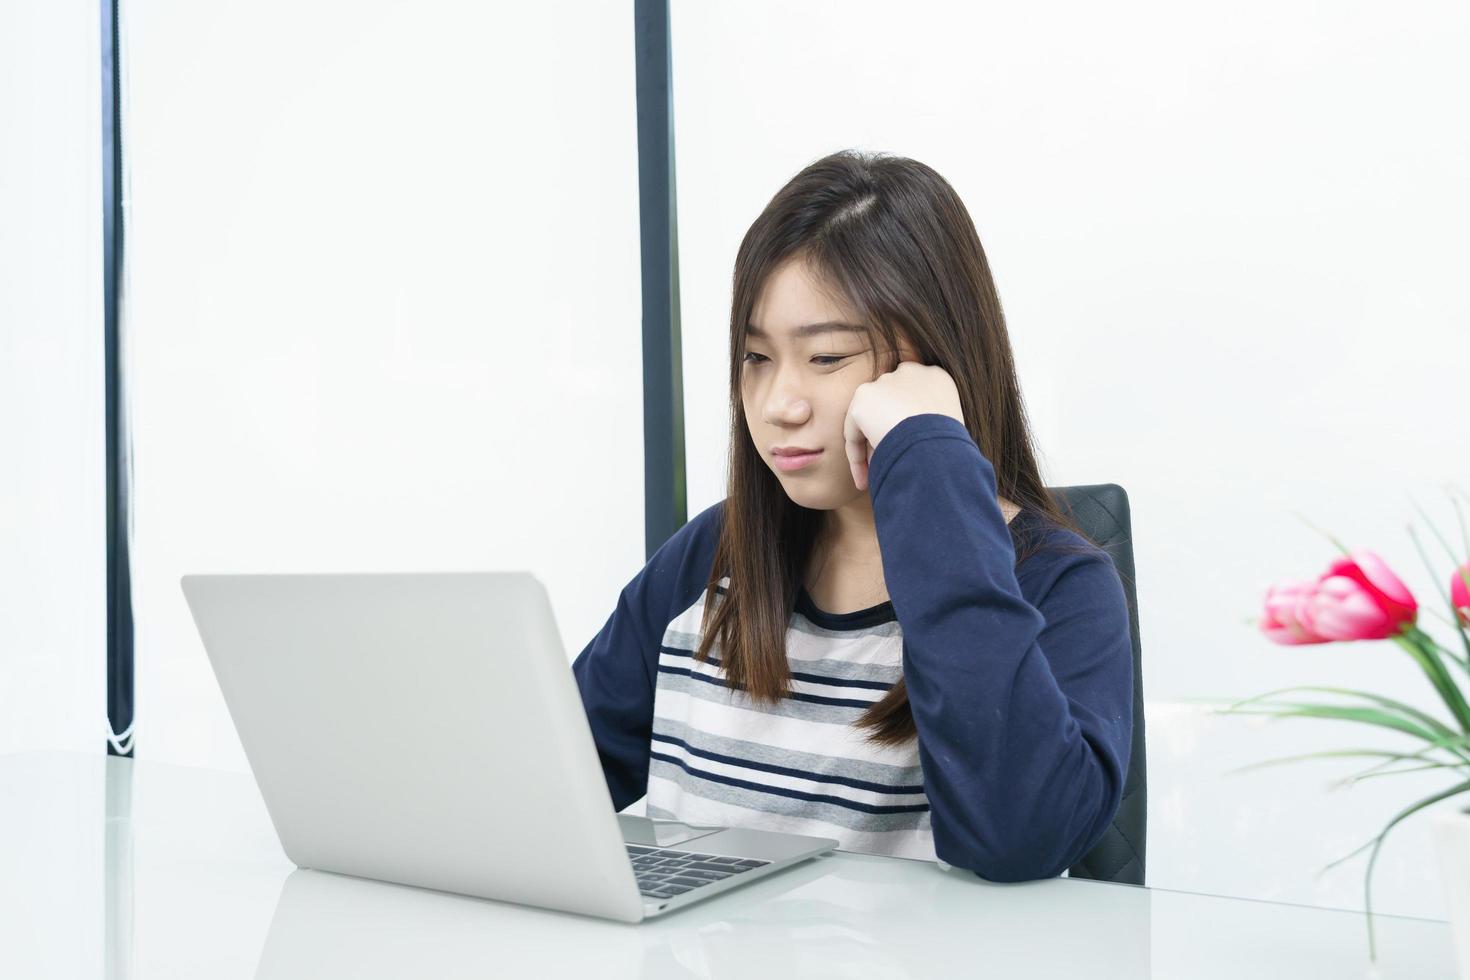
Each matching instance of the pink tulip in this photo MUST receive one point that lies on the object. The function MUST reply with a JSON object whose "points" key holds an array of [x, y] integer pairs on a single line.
{"points": [[1460, 594], [1360, 598], [1288, 614]]}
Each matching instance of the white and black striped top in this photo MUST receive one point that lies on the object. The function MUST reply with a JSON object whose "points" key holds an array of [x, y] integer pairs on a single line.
{"points": [[801, 765]]}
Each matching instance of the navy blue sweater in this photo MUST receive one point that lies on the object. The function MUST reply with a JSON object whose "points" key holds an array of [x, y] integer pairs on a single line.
{"points": [[1019, 679]]}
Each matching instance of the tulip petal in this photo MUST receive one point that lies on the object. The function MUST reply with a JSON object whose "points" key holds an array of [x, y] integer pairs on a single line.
{"points": [[1363, 574], [1283, 621], [1460, 593], [1378, 575]]}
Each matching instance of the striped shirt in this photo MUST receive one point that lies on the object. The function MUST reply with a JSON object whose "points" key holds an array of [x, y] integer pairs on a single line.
{"points": [[801, 765], [1019, 679]]}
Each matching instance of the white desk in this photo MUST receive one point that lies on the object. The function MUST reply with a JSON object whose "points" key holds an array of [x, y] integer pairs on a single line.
{"points": [[117, 869]]}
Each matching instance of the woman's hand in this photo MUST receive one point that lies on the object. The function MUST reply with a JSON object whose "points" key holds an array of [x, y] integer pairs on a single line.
{"points": [[877, 406]]}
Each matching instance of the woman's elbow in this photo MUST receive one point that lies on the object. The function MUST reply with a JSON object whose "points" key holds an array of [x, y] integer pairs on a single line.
{"points": [[1017, 870], [1030, 849]]}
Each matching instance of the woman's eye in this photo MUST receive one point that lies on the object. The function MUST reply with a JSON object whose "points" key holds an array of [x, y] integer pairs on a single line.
{"points": [[822, 360]]}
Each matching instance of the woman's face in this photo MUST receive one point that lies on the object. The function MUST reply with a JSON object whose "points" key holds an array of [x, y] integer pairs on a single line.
{"points": [[798, 378]]}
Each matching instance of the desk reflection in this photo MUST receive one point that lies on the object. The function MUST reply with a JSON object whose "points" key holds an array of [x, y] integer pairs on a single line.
{"points": [[119, 869], [822, 918], [117, 884]]}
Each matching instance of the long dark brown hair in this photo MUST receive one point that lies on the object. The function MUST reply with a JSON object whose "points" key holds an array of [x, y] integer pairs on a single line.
{"points": [[891, 236]]}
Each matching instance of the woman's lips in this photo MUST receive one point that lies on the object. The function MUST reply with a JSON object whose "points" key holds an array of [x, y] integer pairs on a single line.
{"points": [[787, 463]]}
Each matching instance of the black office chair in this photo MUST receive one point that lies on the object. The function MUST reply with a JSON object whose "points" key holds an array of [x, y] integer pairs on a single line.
{"points": [[1101, 512]]}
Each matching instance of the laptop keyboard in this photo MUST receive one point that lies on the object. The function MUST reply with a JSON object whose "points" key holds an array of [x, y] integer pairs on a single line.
{"points": [[665, 873]]}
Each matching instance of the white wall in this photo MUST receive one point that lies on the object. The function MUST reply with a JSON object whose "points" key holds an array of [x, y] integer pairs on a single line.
{"points": [[1230, 244], [387, 310], [53, 644]]}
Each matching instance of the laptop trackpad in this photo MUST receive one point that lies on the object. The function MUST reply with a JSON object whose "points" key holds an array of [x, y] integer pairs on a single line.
{"points": [[659, 833]]}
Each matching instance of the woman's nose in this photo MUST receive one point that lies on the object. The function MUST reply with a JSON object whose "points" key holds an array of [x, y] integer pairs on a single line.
{"points": [[785, 405]]}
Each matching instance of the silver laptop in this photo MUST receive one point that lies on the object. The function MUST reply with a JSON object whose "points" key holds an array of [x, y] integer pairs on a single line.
{"points": [[426, 729]]}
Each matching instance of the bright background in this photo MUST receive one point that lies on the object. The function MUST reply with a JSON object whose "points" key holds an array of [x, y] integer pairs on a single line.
{"points": [[384, 315]]}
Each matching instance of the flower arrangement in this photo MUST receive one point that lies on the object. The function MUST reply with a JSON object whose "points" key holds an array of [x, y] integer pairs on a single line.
{"points": [[1358, 598]]}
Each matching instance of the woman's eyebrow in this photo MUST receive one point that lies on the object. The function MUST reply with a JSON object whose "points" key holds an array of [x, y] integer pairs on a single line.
{"points": [[809, 329]]}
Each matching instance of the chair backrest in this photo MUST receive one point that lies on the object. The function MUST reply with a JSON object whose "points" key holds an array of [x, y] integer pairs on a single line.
{"points": [[1101, 512]]}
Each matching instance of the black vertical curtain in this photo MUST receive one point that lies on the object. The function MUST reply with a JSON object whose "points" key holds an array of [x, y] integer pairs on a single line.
{"points": [[665, 507], [119, 573]]}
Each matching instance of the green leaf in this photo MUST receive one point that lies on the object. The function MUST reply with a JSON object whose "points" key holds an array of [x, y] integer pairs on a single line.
{"points": [[1340, 546], [1450, 744], [1346, 753], [1377, 843], [1426, 654], [1443, 594], [1379, 770], [1407, 710], [1464, 529], [1366, 716]]}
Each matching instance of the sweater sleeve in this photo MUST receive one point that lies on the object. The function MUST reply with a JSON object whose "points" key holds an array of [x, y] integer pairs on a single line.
{"points": [[616, 671], [1024, 712]]}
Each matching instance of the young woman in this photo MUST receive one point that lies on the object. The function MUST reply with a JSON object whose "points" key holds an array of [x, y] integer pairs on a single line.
{"points": [[886, 633]]}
